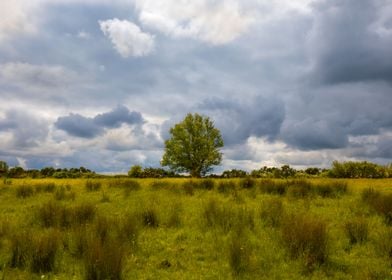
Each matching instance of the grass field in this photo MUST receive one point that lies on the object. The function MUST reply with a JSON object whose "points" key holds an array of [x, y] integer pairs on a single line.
{"points": [[195, 229]]}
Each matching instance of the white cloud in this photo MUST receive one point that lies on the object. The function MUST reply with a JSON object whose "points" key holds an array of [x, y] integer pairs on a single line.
{"points": [[127, 37], [17, 17], [215, 22]]}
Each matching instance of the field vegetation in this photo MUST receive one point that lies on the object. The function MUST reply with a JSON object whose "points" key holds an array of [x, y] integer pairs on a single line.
{"points": [[180, 228]]}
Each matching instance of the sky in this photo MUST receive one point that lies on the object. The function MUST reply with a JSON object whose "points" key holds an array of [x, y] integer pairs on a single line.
{"points": [[99, 83]]}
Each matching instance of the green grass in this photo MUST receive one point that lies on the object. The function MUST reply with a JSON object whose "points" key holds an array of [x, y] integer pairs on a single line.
{"points": [[195, 229]]}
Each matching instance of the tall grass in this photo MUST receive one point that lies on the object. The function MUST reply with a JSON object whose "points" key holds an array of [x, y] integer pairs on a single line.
{"points": [[357, 230], [381, 203], [44, 248], [306, 236], [272, 212], [24, 191]]}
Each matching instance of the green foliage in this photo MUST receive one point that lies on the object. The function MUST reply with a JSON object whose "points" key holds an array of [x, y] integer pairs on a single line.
{"points": [[194, 146], [3, 168], [135, 171], [364, 169]]}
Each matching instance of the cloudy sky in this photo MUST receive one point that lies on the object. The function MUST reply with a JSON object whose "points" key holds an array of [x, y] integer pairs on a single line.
{"points": [[98, 83]]}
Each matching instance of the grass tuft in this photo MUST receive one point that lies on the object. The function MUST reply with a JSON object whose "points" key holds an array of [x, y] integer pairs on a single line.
{"points": [[357, 230], [24, 191], [92, 186], [306, 237]]}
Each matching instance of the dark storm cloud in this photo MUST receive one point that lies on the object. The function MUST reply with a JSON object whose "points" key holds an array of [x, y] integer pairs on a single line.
{"points": [[351, 41], [239, 119], [326, 117], [85, 127], [79, 126], [117, 116]]}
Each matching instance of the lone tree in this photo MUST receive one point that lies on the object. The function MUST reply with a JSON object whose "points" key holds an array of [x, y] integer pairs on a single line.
{"points": [[194, 146]]}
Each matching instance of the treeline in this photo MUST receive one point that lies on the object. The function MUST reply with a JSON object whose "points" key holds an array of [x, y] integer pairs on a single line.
{"points": [[348, 169], [47, 172]]}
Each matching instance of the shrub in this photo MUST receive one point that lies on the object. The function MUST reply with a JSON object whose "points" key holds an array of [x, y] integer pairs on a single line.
{"points": [[103, 260], [357, 230], [272, 212], [24, 191], [43, 251], [93, 186], [306, 236]]}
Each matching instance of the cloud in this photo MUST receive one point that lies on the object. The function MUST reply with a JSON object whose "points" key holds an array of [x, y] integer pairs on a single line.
{"points": [[117, 116], [214, 22], [240, 119], [17, 18], [127, 37], [24, 129], [79, 126], [20, 74], [350, 41], [86, 127]]}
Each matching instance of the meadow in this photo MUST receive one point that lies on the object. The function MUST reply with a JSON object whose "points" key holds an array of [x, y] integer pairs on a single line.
{"points": [[118, 228]]}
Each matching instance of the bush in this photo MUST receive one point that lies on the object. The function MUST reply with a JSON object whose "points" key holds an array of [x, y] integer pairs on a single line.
{"points": [[306, 236], [357, 230], [24, 191], [93, 186]]}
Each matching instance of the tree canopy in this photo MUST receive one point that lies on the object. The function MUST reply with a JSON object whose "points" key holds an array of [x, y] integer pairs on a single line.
{"points": [[194, 146]]}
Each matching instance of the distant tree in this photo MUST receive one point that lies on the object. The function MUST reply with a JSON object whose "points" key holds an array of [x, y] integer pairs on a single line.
{"points": [[312, 171], [17, 172], [135, 171], [287, 171], [3, 168], [234, 173], [194, 146]]}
